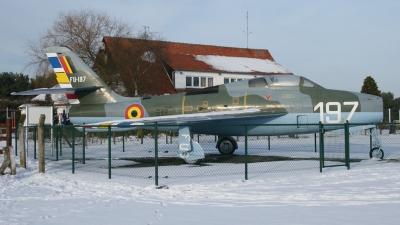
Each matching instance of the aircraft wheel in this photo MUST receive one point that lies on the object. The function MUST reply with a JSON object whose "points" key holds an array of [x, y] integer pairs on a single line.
{"points": [[196, 162], [376, 153], [226, 146]]}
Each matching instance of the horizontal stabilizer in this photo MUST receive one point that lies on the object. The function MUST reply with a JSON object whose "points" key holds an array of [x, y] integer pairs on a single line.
{"points": [[56, 90]]}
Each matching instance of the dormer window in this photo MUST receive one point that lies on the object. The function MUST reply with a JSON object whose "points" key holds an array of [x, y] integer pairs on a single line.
{"points": [[149, 57]]}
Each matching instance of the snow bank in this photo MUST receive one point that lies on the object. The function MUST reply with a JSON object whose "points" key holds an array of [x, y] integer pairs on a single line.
{"points": [[337, 196]]}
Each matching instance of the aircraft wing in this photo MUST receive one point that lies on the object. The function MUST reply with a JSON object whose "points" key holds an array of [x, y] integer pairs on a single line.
{"points": [[208, 117], [55, 90]]}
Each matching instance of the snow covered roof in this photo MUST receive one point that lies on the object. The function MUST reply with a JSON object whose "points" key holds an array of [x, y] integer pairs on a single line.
{"points": [[241, 64], [209, 58]]}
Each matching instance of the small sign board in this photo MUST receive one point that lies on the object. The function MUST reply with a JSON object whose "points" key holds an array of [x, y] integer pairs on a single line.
{"points": [[33, 115]]}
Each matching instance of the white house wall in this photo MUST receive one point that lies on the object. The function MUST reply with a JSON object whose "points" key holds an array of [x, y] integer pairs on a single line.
{"points": [[218, 78]]}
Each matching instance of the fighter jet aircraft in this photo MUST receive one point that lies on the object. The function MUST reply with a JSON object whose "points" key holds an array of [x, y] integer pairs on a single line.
{"points": [[269, 99]]}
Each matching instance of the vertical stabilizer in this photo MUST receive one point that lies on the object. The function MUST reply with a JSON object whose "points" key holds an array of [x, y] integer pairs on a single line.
{"points": [[71, 71]]}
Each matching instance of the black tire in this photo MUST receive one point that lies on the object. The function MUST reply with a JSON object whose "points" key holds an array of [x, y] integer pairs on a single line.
{"points": [[196, 162], [376, 153], [226, 146]]}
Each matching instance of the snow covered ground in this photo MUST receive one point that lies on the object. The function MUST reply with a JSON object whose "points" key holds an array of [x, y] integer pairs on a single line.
{"points": [[363, 195]]}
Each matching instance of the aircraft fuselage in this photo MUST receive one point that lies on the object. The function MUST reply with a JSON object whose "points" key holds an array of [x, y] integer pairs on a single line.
{"points": [[281, 99]]}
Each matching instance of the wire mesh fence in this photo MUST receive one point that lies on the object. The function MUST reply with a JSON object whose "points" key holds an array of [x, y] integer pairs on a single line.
{"points": [[146, 152]]}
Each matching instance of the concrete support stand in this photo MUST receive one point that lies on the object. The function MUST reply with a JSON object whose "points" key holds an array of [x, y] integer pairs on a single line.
{"points": [[9, 160]]}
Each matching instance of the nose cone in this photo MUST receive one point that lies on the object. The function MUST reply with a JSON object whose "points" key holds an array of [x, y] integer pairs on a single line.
{"points": [[371, 106]]}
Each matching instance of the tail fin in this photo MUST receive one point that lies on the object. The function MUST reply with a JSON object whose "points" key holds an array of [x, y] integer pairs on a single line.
{"points": [[72, 72]]}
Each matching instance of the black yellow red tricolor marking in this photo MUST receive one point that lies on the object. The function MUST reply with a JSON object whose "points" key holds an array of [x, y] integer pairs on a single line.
{"points": [[134, 111]]}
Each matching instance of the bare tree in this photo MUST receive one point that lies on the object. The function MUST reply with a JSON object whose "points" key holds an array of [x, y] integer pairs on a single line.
{"points": [[82, 31], [134, 58], [47, 80]]}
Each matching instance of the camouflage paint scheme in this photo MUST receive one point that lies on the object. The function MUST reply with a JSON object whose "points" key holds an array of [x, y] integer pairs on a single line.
{"points": [[284, 99], [299, 97], [269, 99]]}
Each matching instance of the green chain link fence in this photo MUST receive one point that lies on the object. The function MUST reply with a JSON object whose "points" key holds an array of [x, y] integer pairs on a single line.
{"points": [[150, 153]]}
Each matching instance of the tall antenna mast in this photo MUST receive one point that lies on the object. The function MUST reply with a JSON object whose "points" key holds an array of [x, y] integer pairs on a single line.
{"points": [[145, 30], [247, 34]]}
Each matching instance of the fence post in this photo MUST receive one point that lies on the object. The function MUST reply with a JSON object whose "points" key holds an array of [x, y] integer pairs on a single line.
{"points": [[245, 154], [141, 136], [22, 155], [16, 139], [83, 145], [123, 142], [8, 132], [321, 146], [41, 143], [109, 151], [57, 130], [34, 141], [370, 139], [61, 135], [73, 149], [156, 153], [12, 159], [347, 144], [315, 142]]}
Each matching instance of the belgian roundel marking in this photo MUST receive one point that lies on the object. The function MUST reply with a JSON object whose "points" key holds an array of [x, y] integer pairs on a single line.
{"points": [[134, 111]]}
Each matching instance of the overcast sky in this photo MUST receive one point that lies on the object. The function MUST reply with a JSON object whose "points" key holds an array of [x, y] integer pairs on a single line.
{"points": [[337, 43]]}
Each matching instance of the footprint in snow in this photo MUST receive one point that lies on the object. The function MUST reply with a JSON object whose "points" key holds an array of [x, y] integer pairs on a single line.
{"points": [[45, 217], [158, 214]]}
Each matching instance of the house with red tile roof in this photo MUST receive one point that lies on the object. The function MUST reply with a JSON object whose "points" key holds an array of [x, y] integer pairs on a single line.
{"points": [[183, 67]]}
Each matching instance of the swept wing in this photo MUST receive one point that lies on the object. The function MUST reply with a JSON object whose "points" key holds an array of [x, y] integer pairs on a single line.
{"points": [[209, 117]]}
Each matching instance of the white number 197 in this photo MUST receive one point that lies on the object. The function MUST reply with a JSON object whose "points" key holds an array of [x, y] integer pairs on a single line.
{"points": [[337, 112]]}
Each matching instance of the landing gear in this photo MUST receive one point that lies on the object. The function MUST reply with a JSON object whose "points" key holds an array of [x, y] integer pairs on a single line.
{"points": [[196, 162], [189, 150], [376, 153], [226, 145]]}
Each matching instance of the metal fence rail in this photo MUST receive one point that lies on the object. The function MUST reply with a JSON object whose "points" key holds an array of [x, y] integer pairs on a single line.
{"points": [[146, 152]]}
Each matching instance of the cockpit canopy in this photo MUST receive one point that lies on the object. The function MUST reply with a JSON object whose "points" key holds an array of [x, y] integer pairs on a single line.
{"points": [[281, 81]]}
